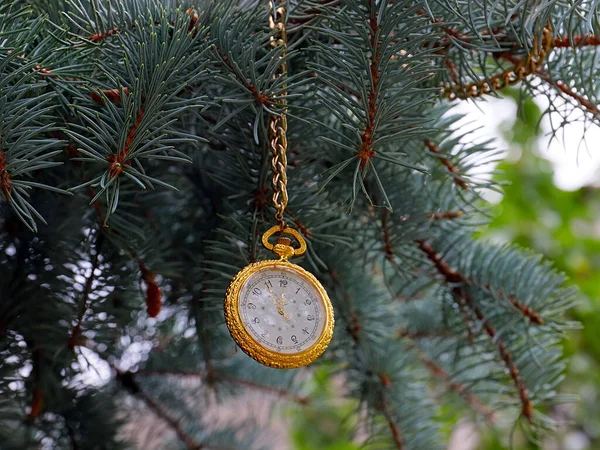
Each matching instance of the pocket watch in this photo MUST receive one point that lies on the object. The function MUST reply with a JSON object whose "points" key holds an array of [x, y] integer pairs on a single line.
{"points": [[277, 312]]}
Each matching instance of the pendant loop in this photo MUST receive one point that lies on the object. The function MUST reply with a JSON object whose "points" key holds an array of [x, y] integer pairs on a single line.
{"points": [[281, 249]]}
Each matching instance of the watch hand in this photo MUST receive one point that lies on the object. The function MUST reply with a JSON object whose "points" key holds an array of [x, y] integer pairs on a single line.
{"points": [[283, 299], [281, 311], [279, 303]]}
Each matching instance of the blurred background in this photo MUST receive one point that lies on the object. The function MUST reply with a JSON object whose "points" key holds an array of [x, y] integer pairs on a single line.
{"points": [[551, 203]]}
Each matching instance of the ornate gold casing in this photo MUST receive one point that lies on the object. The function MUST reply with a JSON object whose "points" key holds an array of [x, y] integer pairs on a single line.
{"points": [[252, 347]]}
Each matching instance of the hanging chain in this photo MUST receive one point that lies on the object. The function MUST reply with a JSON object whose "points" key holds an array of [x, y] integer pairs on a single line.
{"points": [[278, 123], [522, 68]]}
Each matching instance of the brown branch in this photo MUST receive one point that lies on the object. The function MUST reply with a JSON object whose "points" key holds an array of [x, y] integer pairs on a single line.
{"points": [[457, 286], [113, 95], [389, 417], [260, 97], [74, 339], [439, 372], [388, 247], [188, 440], [116, 162], [446, 163], [299, 224], [101, 36], [447, 215], [565, 89], [129, 383], [577, 41], [280, 392], [528, 312], [198, 306], [366, 151], [561, 86], [5, 180]]}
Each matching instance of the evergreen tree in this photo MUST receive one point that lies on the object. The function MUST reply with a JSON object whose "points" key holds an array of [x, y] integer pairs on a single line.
{"points": [[135, 181]]}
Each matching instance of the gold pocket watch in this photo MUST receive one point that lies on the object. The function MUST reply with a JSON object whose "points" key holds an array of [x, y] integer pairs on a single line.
{"points": [[277, 312]]}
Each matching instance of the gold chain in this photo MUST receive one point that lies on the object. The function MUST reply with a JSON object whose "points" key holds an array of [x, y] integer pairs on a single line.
{"points": [[278, 123], [523, 68]]}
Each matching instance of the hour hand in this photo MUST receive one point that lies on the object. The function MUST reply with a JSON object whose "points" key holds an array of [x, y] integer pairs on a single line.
{"points": [[281, 311]]}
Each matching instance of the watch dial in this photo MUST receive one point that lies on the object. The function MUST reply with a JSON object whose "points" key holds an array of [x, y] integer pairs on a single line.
{"points": [[282, 310]]}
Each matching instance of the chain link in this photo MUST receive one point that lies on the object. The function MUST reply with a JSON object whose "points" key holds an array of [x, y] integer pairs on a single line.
{"points": [[278, 123]]}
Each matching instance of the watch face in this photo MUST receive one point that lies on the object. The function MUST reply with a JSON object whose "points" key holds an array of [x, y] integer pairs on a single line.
{"points": [[282, 309]]}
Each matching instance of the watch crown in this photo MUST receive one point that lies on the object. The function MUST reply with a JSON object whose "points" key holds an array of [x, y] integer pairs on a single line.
{"points": [[283, 248]]}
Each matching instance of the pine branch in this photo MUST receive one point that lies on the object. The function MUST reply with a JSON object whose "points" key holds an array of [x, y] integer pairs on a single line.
{"points": [[575, 41], [388, 247], [389, 417], [129, 383], [366, 151], [260, 98], [84, 304], [190, 442], [446, 215], [446, 163], [565, 89], [280, 392], [457, 285], [439, 372]]}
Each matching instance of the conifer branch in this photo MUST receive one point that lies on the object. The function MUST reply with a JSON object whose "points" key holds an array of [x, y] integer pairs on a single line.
{"points": [[366, 151], [198, 306], [130, 384], [391, 421], [299, 224], [439, 372], [576, 41], [5, 180], [528, 312], [280, 392], [388, 247], [189, 441], [446, 163], [446, 215], [101, 36], [565, 89], [260, 97], [117, 162], [74, 339], [457, 284]]}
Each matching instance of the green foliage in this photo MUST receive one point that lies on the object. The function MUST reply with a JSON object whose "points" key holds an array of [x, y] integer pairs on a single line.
{"points": [[153, 115], [324, 424]]}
